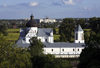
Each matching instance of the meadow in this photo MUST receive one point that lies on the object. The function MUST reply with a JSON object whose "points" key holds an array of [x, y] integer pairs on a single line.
{"points": [[13, 35]]}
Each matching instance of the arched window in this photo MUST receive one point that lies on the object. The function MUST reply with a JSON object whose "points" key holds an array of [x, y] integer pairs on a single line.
{"points": [[73, 49]]}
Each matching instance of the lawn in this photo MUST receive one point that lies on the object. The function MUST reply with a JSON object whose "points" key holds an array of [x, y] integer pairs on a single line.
{"points": [[13, 30], [56, 37], [13, 35]]}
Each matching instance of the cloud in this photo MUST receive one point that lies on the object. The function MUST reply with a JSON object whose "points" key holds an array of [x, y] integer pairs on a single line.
{"points": [[3, 5], [33, 4], [86, 8], [68, 2], [56, 4]]}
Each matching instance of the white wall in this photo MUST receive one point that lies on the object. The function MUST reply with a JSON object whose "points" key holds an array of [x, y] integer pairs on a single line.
{"points": [[42, 39], [32, 32], [64, 51], [27, 40], [80, 36], [50, 39]]}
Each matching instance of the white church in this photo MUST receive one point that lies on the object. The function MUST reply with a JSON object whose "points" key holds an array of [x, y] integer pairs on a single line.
{"points": [[59, 49]]}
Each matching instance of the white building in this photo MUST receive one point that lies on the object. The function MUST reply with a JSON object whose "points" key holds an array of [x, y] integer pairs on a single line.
{"points": [[47, 20], [79, 35], [59, 49]]}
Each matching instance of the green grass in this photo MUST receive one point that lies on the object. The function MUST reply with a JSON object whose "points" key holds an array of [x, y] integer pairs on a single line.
{"points": [[57, 30], [56, 37], [87, 30], [13, 34], [13, 30]]}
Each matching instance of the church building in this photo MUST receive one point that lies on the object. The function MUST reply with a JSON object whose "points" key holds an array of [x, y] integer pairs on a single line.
{"points": [[59, 49]]}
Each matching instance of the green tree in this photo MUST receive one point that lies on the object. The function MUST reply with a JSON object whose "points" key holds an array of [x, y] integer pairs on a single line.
{"points": [[36, 47], [67, 29], [95, 24], [89, 57], [3, 29], [40, 60], [13, 57]]}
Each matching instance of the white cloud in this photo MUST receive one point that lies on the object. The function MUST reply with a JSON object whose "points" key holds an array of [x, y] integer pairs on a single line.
{"points": [[33, 4], [86, 8], [3, 5], [68, 2]]}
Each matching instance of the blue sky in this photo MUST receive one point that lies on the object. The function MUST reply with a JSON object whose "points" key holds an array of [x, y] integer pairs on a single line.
{"points": [[20, 9]]}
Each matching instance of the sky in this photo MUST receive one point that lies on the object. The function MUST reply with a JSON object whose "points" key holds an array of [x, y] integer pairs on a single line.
{"points": [[21, 9]]}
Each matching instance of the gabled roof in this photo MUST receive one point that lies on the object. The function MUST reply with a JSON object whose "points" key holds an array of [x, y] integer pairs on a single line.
{"points": [[63, 44], [53, 45], [79, 28], [23, 33], [44, 32]]}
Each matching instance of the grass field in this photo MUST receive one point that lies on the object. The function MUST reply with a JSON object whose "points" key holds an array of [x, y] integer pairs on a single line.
{"points": [[57, 30], [56, 37], [87, 30], [13, 35]]}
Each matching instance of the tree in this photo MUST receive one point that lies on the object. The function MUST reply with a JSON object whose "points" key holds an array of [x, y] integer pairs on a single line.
{"points": [[89, 57], [3, 29], [13, 57], [36, 47], [67, 29], [95, 24], [40, 60]]}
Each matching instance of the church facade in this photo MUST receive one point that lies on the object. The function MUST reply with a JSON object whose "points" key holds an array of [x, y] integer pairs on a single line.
{"points": [[59, 49]]}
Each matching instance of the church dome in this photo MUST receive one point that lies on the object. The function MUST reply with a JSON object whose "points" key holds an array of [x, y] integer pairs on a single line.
{"points": [[31, 22]]}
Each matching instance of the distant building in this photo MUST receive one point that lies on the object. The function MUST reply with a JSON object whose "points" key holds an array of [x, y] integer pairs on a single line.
{"points": [[47, 20], [59, 49]]}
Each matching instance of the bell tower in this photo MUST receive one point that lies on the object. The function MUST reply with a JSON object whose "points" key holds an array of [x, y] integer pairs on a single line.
{"points": [[79, 35], [31, 29]]}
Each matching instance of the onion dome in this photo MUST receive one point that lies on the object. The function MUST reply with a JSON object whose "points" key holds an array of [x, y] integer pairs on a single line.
{"points": [[31, 22]]}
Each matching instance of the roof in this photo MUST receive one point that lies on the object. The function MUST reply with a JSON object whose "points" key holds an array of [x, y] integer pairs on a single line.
{"points": [[63, 44], [21, 44], [22, 32], [44, 32], [31, 22], [79, 28], [50, 45]]}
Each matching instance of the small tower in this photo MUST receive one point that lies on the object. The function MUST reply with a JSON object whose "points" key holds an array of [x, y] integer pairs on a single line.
{"points": [[31, 29], [79, 35]]}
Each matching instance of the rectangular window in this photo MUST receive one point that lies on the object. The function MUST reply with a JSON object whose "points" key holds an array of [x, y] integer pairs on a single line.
{"points": [[76, 36], [52, 50], [62, 49], [73, 49], [78, 49]]}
